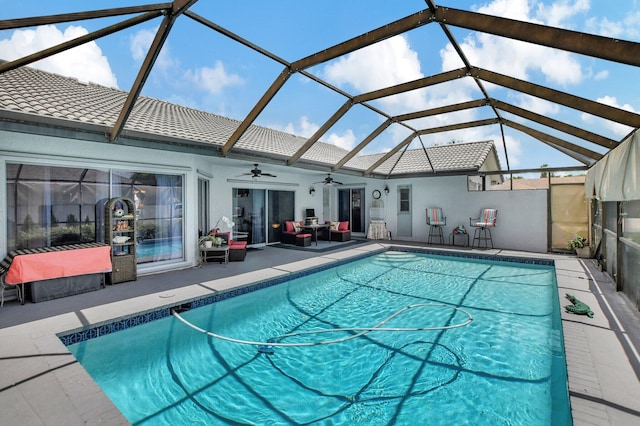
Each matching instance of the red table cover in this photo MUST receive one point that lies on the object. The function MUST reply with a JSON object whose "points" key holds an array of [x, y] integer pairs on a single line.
{"points": [[44, 266]]}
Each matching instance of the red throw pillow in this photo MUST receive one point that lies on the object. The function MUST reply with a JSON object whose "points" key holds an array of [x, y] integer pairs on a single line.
{"points": [[344, 226], [289, 226]]}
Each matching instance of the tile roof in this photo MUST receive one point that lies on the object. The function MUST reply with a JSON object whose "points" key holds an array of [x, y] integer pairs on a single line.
{"points": [[442, 158], [35, 94]]}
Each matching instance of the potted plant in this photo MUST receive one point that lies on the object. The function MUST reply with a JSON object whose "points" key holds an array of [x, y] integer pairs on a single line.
{"points": [[579, 245]]}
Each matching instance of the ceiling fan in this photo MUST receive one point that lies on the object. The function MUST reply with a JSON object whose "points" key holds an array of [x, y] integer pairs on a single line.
{"points": [[329, 181], [256, 173]]}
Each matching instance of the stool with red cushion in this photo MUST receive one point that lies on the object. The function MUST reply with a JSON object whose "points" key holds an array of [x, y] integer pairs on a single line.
{"points": [[303, 240]]}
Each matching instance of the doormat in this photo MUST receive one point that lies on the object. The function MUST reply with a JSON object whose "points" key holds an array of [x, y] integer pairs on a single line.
{"points": [[323, 246]]}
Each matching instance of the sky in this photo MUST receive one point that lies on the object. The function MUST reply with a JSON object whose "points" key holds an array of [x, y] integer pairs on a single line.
{"points": [[202, 69]]}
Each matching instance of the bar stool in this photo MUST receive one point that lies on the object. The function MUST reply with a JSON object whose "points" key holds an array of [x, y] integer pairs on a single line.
{"points": [[436, 221], [303, 240], [483, 225]]}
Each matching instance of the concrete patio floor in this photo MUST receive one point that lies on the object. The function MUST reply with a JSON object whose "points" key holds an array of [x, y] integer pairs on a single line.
{"points": [[42, 384]]}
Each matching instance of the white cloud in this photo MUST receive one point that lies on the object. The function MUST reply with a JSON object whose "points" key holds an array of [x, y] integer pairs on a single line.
{"points": [[602, 75], [139, 44], [213, 80], [556, 13], [538, 105], [628, 28], [394, 61], [85, 62], [347, 140], [514, 148], [306, 129], [520, 58], [513, 9], [617, 128], [388, 62]]}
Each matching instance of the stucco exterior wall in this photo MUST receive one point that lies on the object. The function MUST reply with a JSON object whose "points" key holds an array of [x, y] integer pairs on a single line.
{"points": [[522, 215]]}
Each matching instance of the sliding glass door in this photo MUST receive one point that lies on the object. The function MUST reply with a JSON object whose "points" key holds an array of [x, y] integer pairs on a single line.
{"points": [[259, 214], [281, 208], [350, 202]]}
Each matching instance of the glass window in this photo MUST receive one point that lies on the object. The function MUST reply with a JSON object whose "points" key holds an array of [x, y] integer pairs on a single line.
{"points": [[630, 212], [474, 183], [611, 216], [203, 207], [51, 206], [158, 202], [405, 200]]}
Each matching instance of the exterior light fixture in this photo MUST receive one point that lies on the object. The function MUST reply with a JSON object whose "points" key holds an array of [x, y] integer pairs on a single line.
{"points": [[312, 191], [386, 190]]}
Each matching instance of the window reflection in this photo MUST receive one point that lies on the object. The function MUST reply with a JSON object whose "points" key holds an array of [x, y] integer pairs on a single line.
{"points": [[630, 214], [51, 206]]}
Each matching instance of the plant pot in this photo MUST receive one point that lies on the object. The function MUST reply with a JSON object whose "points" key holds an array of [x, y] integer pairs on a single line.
{"points": [[583, 252], [208, 244]]}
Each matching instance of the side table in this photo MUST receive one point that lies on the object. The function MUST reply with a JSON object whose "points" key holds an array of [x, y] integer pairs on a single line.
{"points": [[453, 236], [220, 253]]}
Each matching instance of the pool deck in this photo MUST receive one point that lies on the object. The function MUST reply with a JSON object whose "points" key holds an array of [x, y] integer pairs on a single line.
{"points": [[42, 384]]}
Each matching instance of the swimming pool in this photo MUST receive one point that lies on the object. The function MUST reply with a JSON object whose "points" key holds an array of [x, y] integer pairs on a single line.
{"points": [[504, 367]]}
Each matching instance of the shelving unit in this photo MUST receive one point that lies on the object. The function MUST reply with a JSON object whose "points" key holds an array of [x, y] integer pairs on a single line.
{"points": [[120, 233]]}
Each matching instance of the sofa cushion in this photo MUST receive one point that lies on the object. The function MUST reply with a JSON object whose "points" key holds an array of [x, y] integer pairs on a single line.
{"points": [[237, 245], [289, 226], [341, 236], [233, 245], [344, 226]]}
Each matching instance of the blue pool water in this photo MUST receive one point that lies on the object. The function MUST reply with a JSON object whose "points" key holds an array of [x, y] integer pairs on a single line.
{"points": [[160, 249], [505, 367]]}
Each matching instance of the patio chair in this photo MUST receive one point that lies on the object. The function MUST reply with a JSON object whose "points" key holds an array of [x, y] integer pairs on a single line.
{"points": [[436, 221], [483, 225]]}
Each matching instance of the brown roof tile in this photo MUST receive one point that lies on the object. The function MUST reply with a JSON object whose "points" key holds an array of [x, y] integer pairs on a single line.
{"points": [[32, 91]]}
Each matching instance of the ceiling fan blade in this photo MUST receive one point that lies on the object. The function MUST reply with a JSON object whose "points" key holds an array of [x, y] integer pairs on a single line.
{"points": [[328, 181], [256, 173]]}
